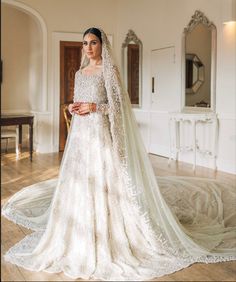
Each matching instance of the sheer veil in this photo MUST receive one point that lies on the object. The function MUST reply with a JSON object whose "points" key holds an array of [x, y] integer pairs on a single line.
{"points": [[191, 218], [202, 238]]}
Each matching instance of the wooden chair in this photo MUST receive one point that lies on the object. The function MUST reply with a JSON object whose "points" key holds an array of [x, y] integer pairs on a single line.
{"points": [[67, 116], [8, 134]]}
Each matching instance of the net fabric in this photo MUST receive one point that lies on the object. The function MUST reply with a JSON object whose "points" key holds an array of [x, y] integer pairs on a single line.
{"points": [[141, 184], [134, 229]]}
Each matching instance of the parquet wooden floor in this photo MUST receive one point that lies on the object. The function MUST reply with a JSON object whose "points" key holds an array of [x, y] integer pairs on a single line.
{"points": [[19, 173]]}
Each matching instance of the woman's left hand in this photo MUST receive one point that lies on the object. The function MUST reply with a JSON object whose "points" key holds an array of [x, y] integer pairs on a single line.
{"points": [[86, 108]]}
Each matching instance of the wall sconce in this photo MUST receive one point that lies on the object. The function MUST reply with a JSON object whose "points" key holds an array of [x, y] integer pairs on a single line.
{"points": [[228, 11]]}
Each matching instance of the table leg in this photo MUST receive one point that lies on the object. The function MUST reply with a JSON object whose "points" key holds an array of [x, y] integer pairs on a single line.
{"points": [[215, 136], [20, 139], [31, 141], [6, 145], [17, 141]]}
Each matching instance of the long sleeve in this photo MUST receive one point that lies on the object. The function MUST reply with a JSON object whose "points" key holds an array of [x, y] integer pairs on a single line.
{"points": [[115, 100], [103, 109]]}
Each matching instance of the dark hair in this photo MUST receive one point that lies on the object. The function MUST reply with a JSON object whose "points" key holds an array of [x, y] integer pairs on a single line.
{"points": [[94, 31]]}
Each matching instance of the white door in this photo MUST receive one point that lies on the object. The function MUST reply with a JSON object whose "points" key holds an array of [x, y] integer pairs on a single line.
{"points": [[164, 98], [163, 79]]}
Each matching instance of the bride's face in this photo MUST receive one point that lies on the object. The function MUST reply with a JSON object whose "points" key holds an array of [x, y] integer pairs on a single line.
{"points": [[92, 46]]}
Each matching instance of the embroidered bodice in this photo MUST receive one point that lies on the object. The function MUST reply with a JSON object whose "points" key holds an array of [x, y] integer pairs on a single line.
{"points": [[91, 88]]}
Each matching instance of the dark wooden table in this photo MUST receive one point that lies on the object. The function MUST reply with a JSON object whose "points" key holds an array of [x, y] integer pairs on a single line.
{"points": [[19, 120]]}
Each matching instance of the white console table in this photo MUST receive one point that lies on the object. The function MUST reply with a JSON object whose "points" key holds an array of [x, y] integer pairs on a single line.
{"points": [[175, 120]]}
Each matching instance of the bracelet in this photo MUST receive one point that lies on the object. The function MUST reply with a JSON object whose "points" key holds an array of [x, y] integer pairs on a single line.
{"points": [[90, 108]]}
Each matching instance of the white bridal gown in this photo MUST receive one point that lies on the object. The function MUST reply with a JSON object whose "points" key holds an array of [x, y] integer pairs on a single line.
{"points": [[84, 223]]}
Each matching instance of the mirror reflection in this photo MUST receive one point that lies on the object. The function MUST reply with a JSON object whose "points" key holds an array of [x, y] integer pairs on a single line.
{"points": [[194, 73], [199, 56], [132, 67]]}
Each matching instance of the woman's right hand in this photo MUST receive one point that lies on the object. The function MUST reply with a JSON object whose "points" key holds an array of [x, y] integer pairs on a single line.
{"points": [[70, 108], [74, 107]]}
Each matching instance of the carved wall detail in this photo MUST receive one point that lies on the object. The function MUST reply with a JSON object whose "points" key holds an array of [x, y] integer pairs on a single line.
{"points": [[197, 18], [131, 37]]}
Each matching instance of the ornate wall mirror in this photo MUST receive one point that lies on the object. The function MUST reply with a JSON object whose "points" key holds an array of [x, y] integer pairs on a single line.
{"points": [[199, 64], [132, 67]]}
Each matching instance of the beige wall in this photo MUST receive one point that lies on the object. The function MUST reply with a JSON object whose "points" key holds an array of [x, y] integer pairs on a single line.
{"points": [[35, 66], [24, 80], [16, 60], [22, 64], [73, 16], [22, 61]]}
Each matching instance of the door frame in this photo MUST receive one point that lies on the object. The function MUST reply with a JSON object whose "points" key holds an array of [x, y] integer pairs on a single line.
{"points": [[159, 116], [56, 38], [63, 131]]}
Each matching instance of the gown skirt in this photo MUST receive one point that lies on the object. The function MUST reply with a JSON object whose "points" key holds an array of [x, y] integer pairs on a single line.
{"points": [[84, 223]]}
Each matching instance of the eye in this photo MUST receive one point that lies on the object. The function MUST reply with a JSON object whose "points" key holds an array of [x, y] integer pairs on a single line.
{"points": [[85, 43], [94, 42]]}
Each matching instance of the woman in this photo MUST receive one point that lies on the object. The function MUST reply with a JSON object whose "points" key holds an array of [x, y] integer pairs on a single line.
{"points": [[105, 216]]}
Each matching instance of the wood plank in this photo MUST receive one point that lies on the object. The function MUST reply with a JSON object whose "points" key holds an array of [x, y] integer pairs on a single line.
{"points": [[20, 173]]}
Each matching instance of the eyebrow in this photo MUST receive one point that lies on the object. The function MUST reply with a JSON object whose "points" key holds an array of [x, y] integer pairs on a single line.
{"points": [[91, 40]]}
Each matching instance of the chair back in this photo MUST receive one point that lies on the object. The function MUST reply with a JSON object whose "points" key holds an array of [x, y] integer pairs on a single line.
{"points": [[67, 116]]}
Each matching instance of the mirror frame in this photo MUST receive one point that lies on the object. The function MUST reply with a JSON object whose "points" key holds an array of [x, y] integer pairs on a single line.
{"points": [[132, 37], [200, 18]]}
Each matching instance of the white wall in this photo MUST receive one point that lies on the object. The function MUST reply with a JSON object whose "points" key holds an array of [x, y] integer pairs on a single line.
{"points": [[158, 23], [164, 23]]}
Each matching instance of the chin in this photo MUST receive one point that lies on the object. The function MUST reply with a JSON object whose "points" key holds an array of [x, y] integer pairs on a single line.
{"points": [[90, 56]]}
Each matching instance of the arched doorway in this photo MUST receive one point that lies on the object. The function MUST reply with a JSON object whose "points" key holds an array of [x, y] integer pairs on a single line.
{"points": [[42, 26], [38, 79]]}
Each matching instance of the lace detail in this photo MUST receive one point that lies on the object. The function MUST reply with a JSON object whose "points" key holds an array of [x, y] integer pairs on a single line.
{"points": [[107, 216], [89, 88], [103, 108]]}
